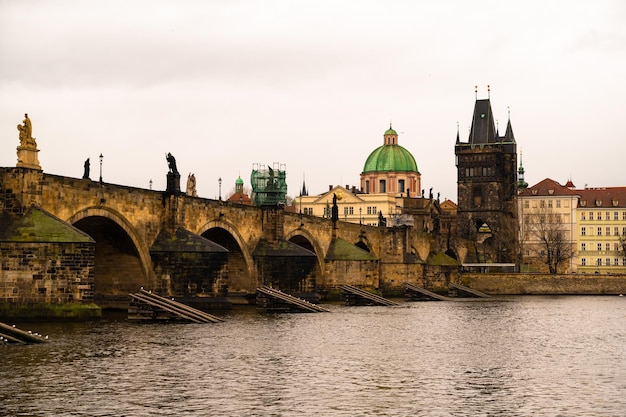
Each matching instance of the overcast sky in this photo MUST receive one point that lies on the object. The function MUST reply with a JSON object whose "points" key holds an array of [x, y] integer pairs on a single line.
{"points": [[310, 84]]}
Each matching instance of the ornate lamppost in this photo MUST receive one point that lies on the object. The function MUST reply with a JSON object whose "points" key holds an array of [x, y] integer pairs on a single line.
{"points": [[219, 182]]}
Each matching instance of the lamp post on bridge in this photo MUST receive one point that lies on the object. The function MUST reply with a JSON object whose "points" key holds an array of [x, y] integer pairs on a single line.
{"points": [[101, 158], [219, 182]]}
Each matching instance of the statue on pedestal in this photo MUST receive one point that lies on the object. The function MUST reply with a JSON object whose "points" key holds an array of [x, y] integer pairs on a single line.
{"points": [[27, 151], [26, 134], [173, 177], [171, 163]]}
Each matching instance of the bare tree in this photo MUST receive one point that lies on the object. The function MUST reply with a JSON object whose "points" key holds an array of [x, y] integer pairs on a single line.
{"points": [[549, 238], [621, 245]]}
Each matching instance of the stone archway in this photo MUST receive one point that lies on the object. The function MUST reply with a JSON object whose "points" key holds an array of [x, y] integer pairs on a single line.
{"points": [[118, 267]]}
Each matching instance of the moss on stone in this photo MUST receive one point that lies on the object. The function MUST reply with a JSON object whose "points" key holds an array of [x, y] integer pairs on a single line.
{"points": [[44, 311]]}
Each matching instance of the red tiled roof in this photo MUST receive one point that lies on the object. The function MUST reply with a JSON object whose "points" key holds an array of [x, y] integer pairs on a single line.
{"points": [[602, 197], [547, 187]]}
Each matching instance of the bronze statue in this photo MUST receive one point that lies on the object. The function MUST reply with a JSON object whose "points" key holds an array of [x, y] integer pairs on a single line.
{"points": [[86, 171], [171, 162]]}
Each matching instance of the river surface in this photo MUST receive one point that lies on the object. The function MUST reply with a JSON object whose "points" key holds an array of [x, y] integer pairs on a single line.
{"points": [[514, 356]]}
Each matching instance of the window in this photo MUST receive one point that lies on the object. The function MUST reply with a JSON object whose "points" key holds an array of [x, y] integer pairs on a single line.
{"points": [[608, 247], [607, 261], [549, 203], [623, 231], [624, 261], [623, 215], [591, 215], [615, 215], [400, 186], [367, 186], [350, 210], [583, 231], [526, 204], [608, 231], [616, 262], [616, 231], [382, 186], [542, 203], [599, 231], [616, 247], [599, 262], [583, 247], [582, 215], [599, 247], [607, 215], [599, 215], [558, 203], [583, 261]]}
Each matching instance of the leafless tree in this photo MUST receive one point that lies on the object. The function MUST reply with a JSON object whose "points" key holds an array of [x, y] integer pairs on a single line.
{"points": [[549, 237]]}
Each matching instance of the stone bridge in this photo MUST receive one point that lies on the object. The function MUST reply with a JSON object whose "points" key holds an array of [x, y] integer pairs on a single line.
{"points": [[190, 246]]}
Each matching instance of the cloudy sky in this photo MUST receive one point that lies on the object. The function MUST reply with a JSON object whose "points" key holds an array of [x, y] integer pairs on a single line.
{"points": [[225, 84]]}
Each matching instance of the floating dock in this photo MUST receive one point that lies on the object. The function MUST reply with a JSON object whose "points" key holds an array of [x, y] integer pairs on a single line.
{"points": [[271, 299], [11, 334], [455, 289], [354, 296], [415, 293], [146, 305]]}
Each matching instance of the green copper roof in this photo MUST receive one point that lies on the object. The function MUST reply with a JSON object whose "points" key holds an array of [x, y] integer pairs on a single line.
{"points": [[390, 131], [238, 181], [390, 158]]}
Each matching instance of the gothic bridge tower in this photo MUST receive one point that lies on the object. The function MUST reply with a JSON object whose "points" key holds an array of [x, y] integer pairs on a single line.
{"points": [[487, 187]]}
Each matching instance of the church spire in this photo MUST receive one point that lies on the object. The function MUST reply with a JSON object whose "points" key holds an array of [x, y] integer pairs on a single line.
{"points": [[521, 184]]}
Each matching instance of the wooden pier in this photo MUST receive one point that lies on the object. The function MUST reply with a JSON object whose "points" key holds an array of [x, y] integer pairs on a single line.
{"points": [[415, 293], [455, 289], [146, 305], [11, 334], [354, 296], [274, 300]]}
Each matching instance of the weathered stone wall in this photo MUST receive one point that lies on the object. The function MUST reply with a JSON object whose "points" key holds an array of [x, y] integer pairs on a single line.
{"points": [[46, 272], [511, 284], [359, 273]]}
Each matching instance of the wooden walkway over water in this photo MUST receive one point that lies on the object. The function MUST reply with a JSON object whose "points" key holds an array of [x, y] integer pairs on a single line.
{"points": [[355, 296], [145, 305], [456, 288], [11, 334], [271, 299]]}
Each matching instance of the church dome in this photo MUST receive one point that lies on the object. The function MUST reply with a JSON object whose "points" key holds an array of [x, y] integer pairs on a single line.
{"points": [[238, 181], [390, 157]]}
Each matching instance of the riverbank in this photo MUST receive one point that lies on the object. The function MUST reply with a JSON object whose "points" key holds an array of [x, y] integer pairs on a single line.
{"points": [[546, 284]]}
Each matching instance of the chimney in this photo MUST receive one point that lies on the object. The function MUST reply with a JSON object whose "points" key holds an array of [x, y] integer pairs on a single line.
{"points": [[330, 187]]}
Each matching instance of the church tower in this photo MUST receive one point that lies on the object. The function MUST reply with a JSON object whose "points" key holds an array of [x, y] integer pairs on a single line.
{"points": [[486, 187]]}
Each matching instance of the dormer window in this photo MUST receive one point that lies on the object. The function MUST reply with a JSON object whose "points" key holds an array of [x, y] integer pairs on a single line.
{"points": [[598, 203]]}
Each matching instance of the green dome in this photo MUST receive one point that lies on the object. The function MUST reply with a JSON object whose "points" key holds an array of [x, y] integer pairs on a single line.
{"points": [[390, 131], [390, 158], [238, 181]]}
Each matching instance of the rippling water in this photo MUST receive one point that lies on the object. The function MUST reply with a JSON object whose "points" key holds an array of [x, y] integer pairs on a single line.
{"points": [[517, 356]]}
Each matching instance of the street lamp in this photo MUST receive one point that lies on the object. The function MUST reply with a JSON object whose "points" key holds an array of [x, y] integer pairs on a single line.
{"points": [[219, 182], [360, 218], [150, 183], [101, 158]]}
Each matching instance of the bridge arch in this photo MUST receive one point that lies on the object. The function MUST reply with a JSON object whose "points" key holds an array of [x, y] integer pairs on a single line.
{"points": [[305, 239], [122, 261], [227, 235]]}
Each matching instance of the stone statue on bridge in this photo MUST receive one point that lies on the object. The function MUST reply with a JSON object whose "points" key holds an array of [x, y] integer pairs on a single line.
{"points": [[191, 185], [27, 151], [26, 134], [171, 163]]}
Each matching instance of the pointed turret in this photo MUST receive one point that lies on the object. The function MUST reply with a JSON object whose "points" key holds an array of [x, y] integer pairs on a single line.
{"points": [[521, 184], [483, 128]]}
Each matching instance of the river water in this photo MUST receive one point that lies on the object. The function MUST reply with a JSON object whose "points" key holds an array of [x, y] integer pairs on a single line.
{"points": [[514, 356]]}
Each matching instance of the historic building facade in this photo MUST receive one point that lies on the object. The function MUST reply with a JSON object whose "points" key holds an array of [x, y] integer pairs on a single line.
{"points": [[390, 178], [547, 221], [487, 186], [601, 230]]}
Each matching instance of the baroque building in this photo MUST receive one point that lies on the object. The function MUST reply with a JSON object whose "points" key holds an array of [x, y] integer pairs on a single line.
{"points": [[486, 188], [391, 169]]}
